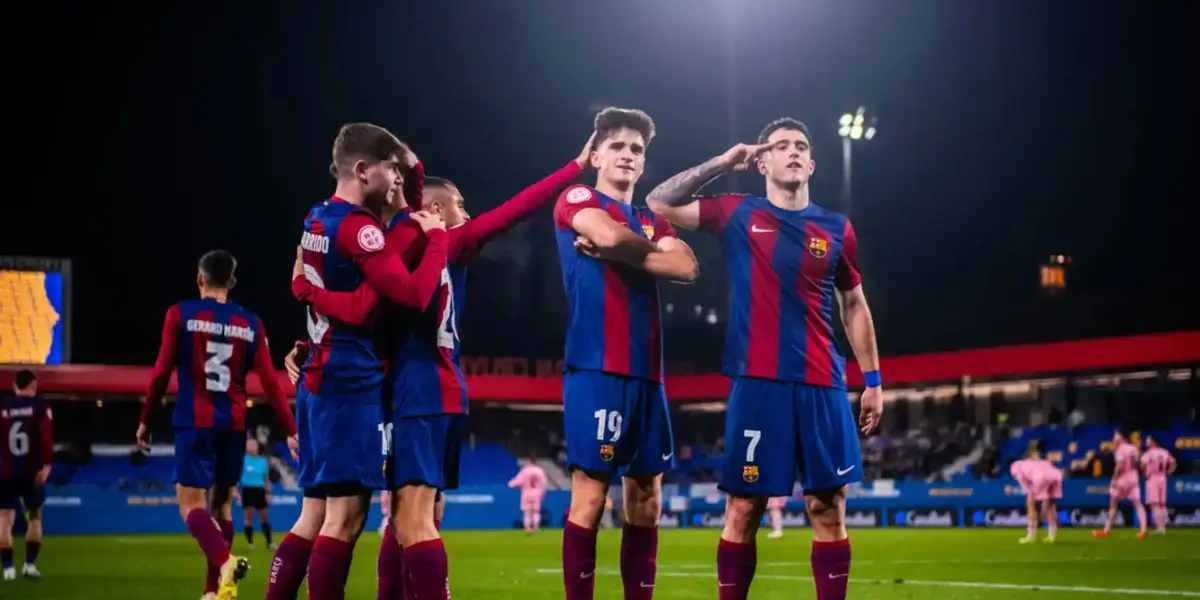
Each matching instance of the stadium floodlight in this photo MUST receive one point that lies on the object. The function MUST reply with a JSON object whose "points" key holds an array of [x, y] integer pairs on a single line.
{"points": [[853, 127], [856, 126]]}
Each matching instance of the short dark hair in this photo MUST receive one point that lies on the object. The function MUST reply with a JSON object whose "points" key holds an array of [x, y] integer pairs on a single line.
{"points": [[218, 267], [1039, 446], [363, 141], [441, 182], [613, 119], [24, 378], [784, 123]]}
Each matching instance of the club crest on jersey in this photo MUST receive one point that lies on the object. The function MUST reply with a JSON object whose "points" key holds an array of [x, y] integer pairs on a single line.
{"points": [[579, 194], [606, 452], [750, 473], [370, 238], [818, 247], [648, 230]]}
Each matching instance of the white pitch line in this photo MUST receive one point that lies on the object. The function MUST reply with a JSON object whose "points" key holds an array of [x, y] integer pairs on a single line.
{"points": [[931, 583], [951, 561]]}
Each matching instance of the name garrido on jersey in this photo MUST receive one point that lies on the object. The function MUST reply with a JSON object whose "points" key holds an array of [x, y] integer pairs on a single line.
{"points": [[315, 243], [233, 331]]}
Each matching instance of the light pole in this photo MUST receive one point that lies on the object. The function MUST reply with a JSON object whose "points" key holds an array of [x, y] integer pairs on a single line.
{"points": [[853, 128]]}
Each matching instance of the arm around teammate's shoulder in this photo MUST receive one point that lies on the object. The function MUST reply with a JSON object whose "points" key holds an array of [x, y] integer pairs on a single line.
{"points": [[362, 240]]}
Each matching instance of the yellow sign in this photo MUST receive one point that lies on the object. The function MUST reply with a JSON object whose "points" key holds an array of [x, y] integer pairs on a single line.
{"points": [[27, 318]]}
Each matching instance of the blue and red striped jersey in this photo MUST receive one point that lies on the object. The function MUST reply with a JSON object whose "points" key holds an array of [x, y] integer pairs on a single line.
{"points": [[425, 376], [613, 320], [212, 346], [783, 267], [26, 441], [343, 361]]}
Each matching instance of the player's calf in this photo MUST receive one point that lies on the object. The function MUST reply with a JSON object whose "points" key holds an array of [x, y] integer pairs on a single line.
{"points": [[827, 509], [588, 494], [414, 514], [345, 516], [7, 518], [743, 514], [639, 535], [831, 546]]}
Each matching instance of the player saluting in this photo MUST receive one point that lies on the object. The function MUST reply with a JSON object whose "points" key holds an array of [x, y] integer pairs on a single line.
{"points": [[1157, 465], [1042, 482], [343, 246], [425, 386], [212, 344], [1125, 485], [26, 450], [788, 411], [614, 407]]}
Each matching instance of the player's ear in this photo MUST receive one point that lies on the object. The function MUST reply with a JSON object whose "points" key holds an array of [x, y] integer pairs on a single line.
{"points": [[812, 167], [232, 283], [360, 169], [762, 167], [200, 280], [594, 159]]}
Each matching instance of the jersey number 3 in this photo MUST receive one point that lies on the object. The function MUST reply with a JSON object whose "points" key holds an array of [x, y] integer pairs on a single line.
{"points": [[216, 368]]}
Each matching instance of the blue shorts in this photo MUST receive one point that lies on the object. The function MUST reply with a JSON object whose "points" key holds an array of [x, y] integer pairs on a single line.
{"points": [[779, 432], [616, 424], [21, 492], [348, 443], [306, 476], [208, 457], [427, 451]]}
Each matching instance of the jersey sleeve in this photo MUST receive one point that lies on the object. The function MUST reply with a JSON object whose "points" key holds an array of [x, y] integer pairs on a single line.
{"points": [[164, 365], [47, 433], [414, 186], [352, 308], [663, 229], [848, 277], [715, 211], [570, 202], [478, 231], [270, 382], [362, 241]]}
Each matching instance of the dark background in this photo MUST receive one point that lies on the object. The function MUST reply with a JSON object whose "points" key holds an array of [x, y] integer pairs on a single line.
{"points": [[147, 133]]}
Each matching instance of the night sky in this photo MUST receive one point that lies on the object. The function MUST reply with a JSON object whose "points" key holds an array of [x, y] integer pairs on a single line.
{"points": [[1008, 130]]}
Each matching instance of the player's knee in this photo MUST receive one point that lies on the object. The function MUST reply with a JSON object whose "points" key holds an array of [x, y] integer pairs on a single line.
{"points": [[643, 500], [826, 509], [742, 517], [190, 499], [588, 493], [312, 518], [344, 518]]}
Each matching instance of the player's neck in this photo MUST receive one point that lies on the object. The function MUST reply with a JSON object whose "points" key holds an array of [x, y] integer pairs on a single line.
{"points": [[615, 192], [221, 296], [350, 192], [788, 199]]}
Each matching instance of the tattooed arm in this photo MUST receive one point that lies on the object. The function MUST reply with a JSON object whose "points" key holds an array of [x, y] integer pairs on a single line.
{"points": [[674, 199]]}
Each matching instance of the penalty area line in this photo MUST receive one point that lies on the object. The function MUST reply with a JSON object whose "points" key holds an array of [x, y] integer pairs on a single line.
{"points": [[1078, 589]]}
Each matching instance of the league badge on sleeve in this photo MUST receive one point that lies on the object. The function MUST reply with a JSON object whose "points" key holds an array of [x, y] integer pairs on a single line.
{"points": [[818, 247], [750, 473], [370, 238], [579, 194]]}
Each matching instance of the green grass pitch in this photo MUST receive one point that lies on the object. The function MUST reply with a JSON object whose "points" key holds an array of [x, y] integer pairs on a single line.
{"points": [[889, 564]]}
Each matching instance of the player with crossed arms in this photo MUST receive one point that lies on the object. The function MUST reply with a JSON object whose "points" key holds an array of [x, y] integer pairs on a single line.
{"points": [[212, 344], [425, 385], [614, 405], [788, 413]]}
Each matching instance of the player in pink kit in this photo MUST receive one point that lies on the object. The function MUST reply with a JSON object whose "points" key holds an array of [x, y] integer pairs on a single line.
{"points": [[532, 481], [775, 508], [1157, 465], [1125, 485], [1042, 482]]}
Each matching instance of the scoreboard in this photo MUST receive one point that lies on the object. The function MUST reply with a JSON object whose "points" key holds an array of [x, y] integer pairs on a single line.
{"points": [[35, 310]]}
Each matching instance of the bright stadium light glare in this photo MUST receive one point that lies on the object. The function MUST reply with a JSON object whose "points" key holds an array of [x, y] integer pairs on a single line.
{"points": [[857, 126]]}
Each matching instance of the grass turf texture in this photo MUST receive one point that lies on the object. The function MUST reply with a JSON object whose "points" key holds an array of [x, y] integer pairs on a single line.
{"points": [[889, 564]]}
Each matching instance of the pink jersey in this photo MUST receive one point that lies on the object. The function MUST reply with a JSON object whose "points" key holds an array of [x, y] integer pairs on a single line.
{"points": [[1157, 463], [1039, 478], [1125, 459], [532, 481]]}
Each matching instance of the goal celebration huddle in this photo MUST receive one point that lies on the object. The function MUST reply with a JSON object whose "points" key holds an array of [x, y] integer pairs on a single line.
{"points": [[382, 403]]}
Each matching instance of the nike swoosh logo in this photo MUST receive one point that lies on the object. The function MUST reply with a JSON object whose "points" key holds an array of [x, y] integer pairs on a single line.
{"points": [[755, 229], [844, 471], [668, 456], [647, 585], [832, 576], [586, 575], [719, 584]]}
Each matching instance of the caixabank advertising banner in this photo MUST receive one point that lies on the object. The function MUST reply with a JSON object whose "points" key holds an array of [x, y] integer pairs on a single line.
{"points": [[941, 516]]}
